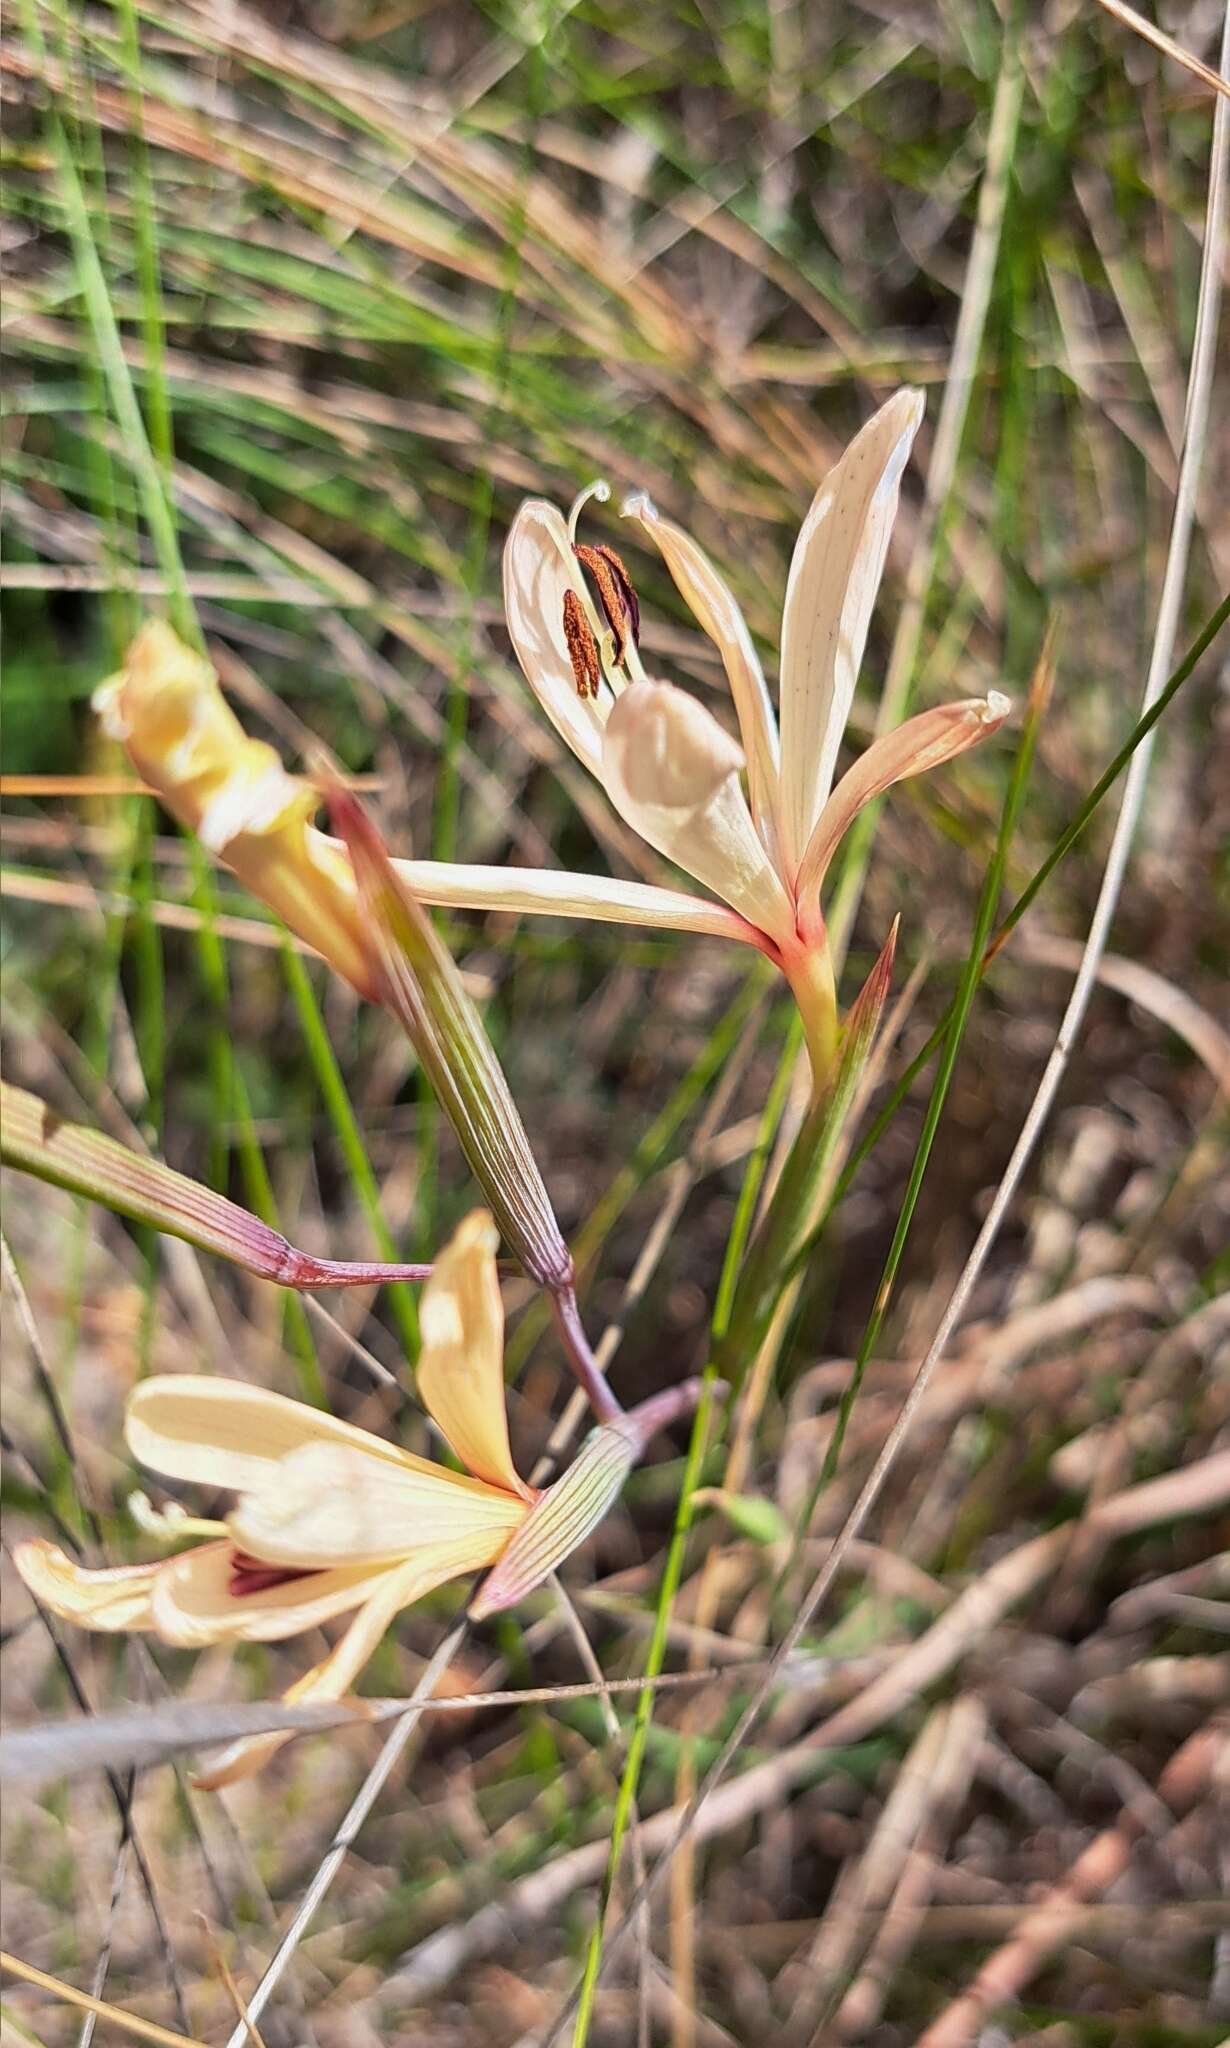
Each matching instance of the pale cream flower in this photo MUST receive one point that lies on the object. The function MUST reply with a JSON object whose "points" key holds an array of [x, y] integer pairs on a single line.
{"points": [[755, 822], [332, 1520]]}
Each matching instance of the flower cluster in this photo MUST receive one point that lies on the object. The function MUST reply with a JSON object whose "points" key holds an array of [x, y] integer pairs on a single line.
{"points": [[333, 1521]]}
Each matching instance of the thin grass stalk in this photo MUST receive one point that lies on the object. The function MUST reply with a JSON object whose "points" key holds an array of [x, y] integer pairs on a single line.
{"points": [[108, 342], [104, 991], [1063, 846], [309, 1905], [159, 514], [673, 1569], [971, 975], [346, 1127], [772, 1256], [1005, 120], [975, 304], [160, 518], [123, 2022], [361, 1805], [259, 1190], [121, 1790], [682, 1947], [86, 137], [647, 1156], [149, 278]]}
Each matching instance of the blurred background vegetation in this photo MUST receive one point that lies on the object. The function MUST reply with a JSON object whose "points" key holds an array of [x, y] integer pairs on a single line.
{"points": [[302, 299]]}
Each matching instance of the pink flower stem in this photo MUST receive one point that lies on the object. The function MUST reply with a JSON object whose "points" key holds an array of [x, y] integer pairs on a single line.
{"points": [[580, 1356], [642, 1423], [298, 1269]]}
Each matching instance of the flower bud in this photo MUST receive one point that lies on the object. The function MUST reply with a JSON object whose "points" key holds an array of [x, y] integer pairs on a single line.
{"points": [[569, 1512], [418, 980], [184, 740]]}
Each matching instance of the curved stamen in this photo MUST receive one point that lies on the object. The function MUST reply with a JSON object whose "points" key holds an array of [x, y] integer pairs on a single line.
{"points": [[172, 1523], [599, 490]]}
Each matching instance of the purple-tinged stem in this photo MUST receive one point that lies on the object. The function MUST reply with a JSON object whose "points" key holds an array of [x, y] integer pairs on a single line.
{"points": [[642, 1423], [576, 1344], [300, 1269]]}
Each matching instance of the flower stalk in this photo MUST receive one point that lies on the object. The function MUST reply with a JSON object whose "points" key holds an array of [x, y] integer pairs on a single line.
{"points": [[787, 1222], [589, 1374]]}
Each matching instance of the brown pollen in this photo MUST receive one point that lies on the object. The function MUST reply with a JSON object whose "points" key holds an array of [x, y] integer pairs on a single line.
{"points": [[614, 587], [582, 647]]}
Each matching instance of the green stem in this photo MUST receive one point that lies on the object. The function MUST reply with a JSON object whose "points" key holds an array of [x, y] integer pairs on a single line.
{"points": [[970, 980], [1041, 875]]}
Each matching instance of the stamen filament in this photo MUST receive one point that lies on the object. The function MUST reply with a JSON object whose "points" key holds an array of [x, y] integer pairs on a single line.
{"points": [[172, 1523], [632, 660]]}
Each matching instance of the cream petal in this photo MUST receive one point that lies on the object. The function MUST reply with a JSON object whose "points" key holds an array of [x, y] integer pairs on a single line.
{"points": [[552, 892], [460, 1371], [329, 1504], [716, 611], [673, 774], [539, 570], [116, 1597], [924, 742], [194, 1599], [220, 1432], [333, 1677], [834, 577]]}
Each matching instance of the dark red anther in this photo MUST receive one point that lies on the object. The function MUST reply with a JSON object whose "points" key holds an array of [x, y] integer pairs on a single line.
{"points": [[582, 647], [616, 594]]}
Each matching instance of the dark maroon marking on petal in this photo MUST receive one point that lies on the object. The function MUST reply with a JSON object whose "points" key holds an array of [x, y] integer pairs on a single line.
{"points": [[252, 1575]]}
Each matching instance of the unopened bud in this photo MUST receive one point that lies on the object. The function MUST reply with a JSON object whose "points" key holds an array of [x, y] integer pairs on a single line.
{"points": [[184, 740], [419, 981], [570, 1511]]}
